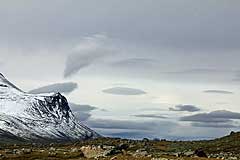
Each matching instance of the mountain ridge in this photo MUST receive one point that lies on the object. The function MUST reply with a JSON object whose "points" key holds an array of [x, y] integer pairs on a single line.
{"points": [[38, 116]]}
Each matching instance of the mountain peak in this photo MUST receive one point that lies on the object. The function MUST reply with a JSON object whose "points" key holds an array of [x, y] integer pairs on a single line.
{"points": [[37, 116], [5, 83], [1, 75]]}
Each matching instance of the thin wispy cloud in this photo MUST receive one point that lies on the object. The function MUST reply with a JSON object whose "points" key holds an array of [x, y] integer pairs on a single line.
{"points": [[218, 91], [150, 116], [66, 87], [199, 71], [88, 52], [124, 91], [135, 62], [214, 125]]}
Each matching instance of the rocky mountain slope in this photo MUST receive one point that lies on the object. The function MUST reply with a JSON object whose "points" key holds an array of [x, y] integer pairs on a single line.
{"points": [[32, 117]]}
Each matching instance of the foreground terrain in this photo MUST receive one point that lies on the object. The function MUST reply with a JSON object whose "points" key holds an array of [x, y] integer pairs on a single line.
{"points": [[227, 147]]}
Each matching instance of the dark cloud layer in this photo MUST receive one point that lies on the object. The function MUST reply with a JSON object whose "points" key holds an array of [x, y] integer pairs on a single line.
{"points": [[120, 124], [124, 91], [66, 87], [73, 19], [130, 134], [215, 116], [127, 128], [188, 108], [81, 112], [218, 119], [218, 91], [149, 116], [213, 125]]}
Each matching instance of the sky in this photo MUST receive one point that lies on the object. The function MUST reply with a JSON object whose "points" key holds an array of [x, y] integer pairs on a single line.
{"points": [[130, 69]]}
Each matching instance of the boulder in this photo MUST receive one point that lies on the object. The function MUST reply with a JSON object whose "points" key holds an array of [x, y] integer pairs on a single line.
{"points": [[200, 153]]}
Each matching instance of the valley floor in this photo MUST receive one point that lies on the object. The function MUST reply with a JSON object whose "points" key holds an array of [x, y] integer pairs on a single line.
{"points": [[227, 148]]}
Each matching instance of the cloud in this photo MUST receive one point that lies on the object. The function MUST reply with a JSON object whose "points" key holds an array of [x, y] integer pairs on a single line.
{"points": [[66, 87], [86, 53], [188, 108], [81, 112], [213, 125], [149, 116], [196, 71], [135, 62], [215, 116], [127, 128], [82, 108], [124, 91], [218, 91], [219, 118], [83, 18], [119, 124], [130, 134]]}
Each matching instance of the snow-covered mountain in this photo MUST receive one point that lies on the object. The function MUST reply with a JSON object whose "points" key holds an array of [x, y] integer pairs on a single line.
{"points": [[34, 117]]}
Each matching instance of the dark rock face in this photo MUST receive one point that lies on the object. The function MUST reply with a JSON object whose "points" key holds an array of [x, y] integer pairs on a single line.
{"points": [[200, 153], [232, 133], [60, 103], [53, 106]]}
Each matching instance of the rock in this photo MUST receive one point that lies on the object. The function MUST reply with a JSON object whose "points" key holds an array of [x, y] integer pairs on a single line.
{"points": [[2, 156], [26, 151], [42, 150], [52, 149], [52, 154], [100, 146], [92, 151], [176, 154], [114, 158], [8, 151], [51, 144], [145, 140], [106, 147], [112, 151], [122, 146], [16, 151], [73, 150], [140, 153], [160, 159], [188, 153], [76, 150], [200, 153], [149, 156], [156, 139], [232, 133]]}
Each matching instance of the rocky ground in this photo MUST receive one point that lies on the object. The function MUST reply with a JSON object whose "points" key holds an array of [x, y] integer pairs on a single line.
{"points": [[227, 148]]}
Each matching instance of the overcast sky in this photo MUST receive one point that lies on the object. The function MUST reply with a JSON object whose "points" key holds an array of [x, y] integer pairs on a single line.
{"points": [[148, 68]]}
